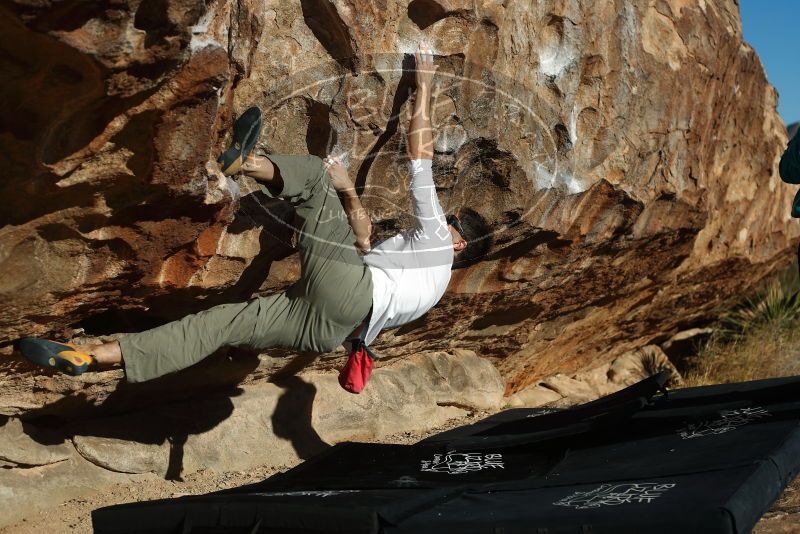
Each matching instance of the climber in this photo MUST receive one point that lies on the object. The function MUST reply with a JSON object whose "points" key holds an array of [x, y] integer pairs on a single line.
{"points": [[349, 290]]}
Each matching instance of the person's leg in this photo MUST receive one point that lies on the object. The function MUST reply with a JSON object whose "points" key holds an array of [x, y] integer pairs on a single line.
{"points": [[106, 354], [332, 297], [334, 276], [179, 344], [266, 322], [262, 170], [143, 350]]}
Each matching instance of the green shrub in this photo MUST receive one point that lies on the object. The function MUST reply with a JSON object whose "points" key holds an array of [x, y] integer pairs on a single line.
{"points": [[776, 305], [758, 338]]}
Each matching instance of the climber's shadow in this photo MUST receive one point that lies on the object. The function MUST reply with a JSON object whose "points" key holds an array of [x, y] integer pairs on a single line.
{"points": [[401, 95], [170, 409], [291, 419], [166, 411], [256, 210], [159, 412], [275, 218]]}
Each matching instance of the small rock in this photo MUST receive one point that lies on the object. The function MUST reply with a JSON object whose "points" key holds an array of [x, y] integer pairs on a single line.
{"points": [[638, 364], [571, 389], [131, 443], [533, 396]]}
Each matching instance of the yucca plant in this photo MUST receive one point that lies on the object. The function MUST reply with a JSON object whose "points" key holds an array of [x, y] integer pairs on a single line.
{"points": [[759, 338], [777, 304]]}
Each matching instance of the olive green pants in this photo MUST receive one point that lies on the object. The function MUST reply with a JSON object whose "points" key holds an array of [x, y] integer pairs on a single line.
{"points": [[332, 296]]}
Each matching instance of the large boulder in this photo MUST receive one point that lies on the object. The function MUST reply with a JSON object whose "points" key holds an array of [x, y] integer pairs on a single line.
{"points": [[624, 153]]}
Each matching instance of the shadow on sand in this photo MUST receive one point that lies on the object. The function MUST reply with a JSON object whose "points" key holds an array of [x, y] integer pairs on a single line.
{"points": [[172, 408]]}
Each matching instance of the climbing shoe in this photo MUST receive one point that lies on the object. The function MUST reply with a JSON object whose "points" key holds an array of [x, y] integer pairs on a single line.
{"points": [[246, 131], [60, 356]]}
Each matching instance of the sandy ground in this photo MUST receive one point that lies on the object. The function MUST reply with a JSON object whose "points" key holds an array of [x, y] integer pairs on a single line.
{"points": [[784, 518], [75, 516]]}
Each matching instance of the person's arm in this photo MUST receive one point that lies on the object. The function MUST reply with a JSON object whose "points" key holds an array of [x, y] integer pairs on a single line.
{"points": [[420, 137], [358, 218], [425, 203], [357, 215]]}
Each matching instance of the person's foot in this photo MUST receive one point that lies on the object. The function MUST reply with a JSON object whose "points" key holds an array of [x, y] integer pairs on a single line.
{"points": [[63, 357], [246, 131]]}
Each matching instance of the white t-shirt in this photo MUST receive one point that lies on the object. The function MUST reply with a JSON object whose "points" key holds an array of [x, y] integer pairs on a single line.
{"points": [[410, 271]]}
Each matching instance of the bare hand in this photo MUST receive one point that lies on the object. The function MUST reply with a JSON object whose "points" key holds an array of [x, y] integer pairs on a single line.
{"points": [[340, 180], [425, 67]]}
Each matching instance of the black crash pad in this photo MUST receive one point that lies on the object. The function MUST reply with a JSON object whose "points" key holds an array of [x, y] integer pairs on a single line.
{"points": [[708, 459]]}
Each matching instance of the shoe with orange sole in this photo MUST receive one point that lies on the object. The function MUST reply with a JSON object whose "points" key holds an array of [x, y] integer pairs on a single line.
{"points": [[246, 131], [63, 357]]}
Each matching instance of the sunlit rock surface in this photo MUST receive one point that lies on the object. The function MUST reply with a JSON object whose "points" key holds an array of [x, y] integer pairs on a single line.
{"points": [[624, 152]]}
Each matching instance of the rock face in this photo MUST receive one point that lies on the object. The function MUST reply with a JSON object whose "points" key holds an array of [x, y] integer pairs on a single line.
{"points": [[562, 391], [624, 153]]}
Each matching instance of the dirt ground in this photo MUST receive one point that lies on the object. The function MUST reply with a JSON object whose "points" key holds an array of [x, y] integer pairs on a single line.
{"points": [[784, 518], [75, 516]]}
